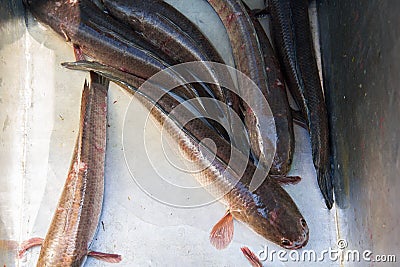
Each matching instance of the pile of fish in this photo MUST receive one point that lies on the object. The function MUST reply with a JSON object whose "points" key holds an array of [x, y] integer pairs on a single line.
{"points": [[129, 41]]}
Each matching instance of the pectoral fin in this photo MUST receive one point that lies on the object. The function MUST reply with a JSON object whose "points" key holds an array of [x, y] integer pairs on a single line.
{"points": [[222, 233]]}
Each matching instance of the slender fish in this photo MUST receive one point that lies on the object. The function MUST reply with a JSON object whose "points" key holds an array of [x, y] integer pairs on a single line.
{"points": [[250, 59], [293, 40], [77, 214], [162, 33], [268, 210], [276, 95], [156, 21], [108, 41]]}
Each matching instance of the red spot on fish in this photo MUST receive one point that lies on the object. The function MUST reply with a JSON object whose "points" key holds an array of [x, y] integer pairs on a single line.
{"points": [[223, 8], [164, 45], [104, 107], [99, 149], [78, 53], [274, 215], [249, 111], [230, 18], [81, 166], [123, 69]]}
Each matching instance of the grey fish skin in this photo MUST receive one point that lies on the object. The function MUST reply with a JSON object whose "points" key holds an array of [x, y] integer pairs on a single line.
{"points": [[162, 33], [177, 20], [248, 60], [84, 25], [278, 101], [269, 210], [182, 40], [293, 39], [77, 214], [110, 42]]}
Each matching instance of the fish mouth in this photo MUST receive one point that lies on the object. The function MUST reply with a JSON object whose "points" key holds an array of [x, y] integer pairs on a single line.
{"points": [[301, 241], [297, 244]]}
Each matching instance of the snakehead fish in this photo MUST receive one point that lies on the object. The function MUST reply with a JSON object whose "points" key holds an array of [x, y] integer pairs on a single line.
{"points": [[268, 210], [77, 214], [293, 40], [278, 101], [108, 41], [249, 59]]}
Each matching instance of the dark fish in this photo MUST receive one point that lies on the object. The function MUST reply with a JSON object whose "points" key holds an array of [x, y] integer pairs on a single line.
{"points": [[276, 95], [155, 21], [108, 41], [162, 33], [293, 40], [248, 60], [268, 210]]}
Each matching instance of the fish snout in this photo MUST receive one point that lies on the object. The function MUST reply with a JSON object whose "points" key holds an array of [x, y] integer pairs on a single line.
{"points": [[301, 241]]}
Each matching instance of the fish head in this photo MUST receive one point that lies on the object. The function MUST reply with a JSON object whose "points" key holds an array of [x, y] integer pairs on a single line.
{"points": [[60, 15], [272, 213]]}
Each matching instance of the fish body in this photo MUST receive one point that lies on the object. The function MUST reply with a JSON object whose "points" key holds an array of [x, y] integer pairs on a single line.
{"points": [[255, 59], [77, 214], [156, 22], [112, 43], [268, 210], [276, 95], [294, 43]]}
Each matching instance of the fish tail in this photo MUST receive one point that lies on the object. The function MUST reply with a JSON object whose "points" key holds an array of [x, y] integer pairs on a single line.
{"points": [[326, 185]]}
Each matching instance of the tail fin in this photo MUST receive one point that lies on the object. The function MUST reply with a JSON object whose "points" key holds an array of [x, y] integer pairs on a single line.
{"points": [[326, 185]]}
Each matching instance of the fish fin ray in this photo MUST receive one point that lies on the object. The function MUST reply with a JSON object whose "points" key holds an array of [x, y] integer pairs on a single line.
{"points": [[222, 233], [251, 257], [107, 257], [30, 243], [285, 180], [325, 183], [299, 119]]}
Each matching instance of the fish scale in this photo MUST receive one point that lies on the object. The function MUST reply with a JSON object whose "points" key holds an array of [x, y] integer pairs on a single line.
{"points": [[254, 57], [317, 116], [77, 214], [278, 101], [293, 39], [218, 177]]}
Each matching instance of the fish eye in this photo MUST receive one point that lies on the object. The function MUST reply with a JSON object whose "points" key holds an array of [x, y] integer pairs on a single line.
{"points": [[303, 223], [285, 242]]}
